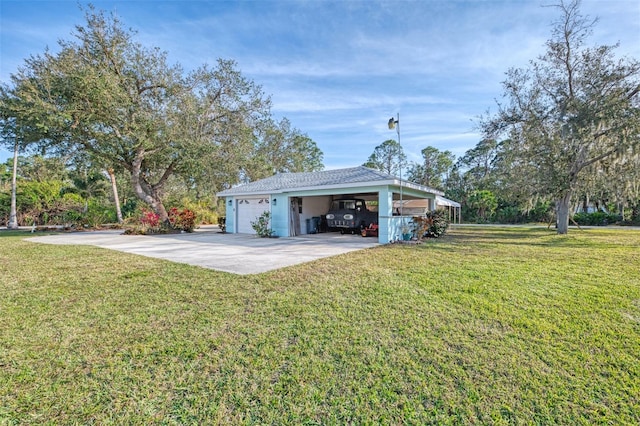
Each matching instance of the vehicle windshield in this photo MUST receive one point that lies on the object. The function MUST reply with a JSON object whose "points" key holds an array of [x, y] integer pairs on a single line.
{"points": [[343, 205]]}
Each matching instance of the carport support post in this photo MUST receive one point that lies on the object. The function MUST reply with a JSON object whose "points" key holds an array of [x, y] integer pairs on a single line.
{"points": [[230, 212], [385, 216], [280, 211]]}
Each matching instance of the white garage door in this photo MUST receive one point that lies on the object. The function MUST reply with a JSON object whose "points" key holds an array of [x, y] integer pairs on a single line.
{"points": [[249, 209]]}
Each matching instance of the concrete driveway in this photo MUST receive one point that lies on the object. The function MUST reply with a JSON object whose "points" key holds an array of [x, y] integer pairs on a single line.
{"points": [[209, 248]]}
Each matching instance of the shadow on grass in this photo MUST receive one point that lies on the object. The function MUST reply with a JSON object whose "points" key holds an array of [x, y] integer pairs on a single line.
{"points": [[12, 233], [496, 234], [542, 236], [18, 233]]}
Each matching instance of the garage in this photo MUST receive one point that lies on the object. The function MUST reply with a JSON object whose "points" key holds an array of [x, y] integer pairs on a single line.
{"points": [[295, 199], [248, 209]]}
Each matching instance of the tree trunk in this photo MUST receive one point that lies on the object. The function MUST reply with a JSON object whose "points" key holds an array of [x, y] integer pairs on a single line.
{"points": [[635, 211], [562, 210], [152, 199], [146, 192], [13, 215], [158, 207], [114, 187]]}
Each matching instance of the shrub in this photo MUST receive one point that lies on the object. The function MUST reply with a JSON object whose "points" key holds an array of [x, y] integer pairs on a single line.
{"points": [[432, 225], [183, 220], [72, 217], [596, 218], [262, 225], [542, 211], [129, 208], [205, 209], [99, 212], [150, 222], [508, 214], [440, 223], [482, 205]]}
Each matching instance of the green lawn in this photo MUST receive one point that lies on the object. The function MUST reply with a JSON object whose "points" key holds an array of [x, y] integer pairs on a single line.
{"points": [[483, 326]]}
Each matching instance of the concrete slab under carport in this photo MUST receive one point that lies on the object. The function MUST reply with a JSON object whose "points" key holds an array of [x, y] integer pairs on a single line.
{"points": [[207, 247]]}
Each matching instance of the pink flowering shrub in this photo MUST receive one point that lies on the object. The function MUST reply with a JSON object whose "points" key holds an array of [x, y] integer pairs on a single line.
{"points": [[183, 220], [150, 222], [178, 220]]}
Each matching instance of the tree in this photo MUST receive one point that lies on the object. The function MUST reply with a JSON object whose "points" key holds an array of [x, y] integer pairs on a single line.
{"points": [[44, 192], [13, 216], [40, 168], [434, 169], [280, 148], [123, 105], [625, 184], [483, 203], [478, 162], [15, 137], [387, 157], [114, 188], [88, 182], [613, 184], [573, 108]]}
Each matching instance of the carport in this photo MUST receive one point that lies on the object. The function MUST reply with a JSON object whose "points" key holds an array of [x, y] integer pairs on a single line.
{"points": [[294, 198], [420, 207]]}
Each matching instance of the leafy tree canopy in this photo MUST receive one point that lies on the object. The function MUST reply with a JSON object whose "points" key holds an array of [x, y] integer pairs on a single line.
{"points": [[387, 157], [571, 110], [106, 95], [434, 169]]}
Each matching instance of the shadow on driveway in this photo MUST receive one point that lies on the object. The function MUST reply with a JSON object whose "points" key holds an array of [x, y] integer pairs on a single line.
{"points": [[207, 247]]}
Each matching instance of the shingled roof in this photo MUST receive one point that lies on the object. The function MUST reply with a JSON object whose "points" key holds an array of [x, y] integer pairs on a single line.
{"points": [[281, 182]]}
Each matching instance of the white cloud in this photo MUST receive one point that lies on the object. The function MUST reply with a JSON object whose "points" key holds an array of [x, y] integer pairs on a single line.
{"points": [[339, 69]]}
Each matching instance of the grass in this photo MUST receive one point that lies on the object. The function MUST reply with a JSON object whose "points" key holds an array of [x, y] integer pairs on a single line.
{"points": [[484, 326]]}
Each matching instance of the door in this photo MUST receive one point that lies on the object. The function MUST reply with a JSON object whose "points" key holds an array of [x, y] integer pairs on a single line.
{"points": [[295, 208], [248, 210]]}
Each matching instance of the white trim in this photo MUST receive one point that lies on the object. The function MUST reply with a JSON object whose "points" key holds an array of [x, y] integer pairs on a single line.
{"points": [[446, 202]]}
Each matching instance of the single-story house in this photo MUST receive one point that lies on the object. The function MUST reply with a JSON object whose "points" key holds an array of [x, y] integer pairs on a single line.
{"points": [[294, 198], [421, 207]]}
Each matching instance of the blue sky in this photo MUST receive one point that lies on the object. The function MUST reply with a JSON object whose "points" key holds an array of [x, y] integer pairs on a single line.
{"points": [[340, 69]]}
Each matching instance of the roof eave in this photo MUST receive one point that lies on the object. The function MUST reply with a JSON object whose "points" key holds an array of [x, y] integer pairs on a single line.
{"points": [[388, 182]]}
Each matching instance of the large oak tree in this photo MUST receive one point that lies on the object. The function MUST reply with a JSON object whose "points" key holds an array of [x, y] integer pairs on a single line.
{"points": [[106, 95], [572, 109]]}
